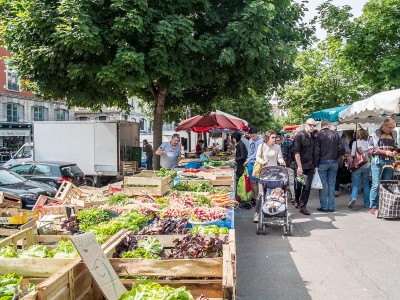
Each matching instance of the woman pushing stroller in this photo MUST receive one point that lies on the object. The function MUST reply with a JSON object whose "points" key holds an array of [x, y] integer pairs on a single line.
{"points": [[268, 154]]}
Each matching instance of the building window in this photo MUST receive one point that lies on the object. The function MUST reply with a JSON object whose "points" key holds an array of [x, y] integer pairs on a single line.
{"points": [[101, 118], [39, 113], [142, 124], [13, 112], [61, 114], [12, 79], [82, 118]]}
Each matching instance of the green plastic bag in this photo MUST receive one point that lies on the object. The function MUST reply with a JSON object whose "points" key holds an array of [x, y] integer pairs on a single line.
{"points": [[241, 190]]}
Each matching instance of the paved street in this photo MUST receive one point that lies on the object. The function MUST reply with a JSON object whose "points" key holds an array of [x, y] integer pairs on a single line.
{"points": [[348, 254]]}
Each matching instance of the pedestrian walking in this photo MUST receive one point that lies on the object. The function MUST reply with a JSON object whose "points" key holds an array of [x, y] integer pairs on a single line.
{"points": [[255, 141], [327, 150], [268, 154], [383, 147], [303, 149], [170, 152], [240, 154], [360, 176], [148, 149]]}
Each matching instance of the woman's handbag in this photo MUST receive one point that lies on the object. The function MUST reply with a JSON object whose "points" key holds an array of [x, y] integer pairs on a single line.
{"points": [[257, 166], [359, 159]]}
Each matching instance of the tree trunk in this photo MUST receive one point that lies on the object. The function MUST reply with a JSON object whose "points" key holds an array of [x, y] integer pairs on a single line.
{"points": [[158, 123]]}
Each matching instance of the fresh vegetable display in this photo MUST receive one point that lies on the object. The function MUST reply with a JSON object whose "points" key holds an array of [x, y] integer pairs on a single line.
{"points": [[222, 199], [211, 229], [154, 291], [64, 249], [89, 217], [207, 214], [132, 220], [8, 252], [164, 173], [165, 226], [11, 287], [197, 187], [197, 246], [132, 247], [118, 199]]}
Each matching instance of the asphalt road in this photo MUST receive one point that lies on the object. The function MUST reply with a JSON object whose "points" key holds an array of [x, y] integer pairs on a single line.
{"points": [[347, 254]]}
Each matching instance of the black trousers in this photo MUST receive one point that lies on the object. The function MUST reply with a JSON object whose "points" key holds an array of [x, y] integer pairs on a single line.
{"points": [[306, 189]]}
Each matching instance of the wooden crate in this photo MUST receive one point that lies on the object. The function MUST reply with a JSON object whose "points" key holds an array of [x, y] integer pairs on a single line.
{"points": [[9, 200], [129, 167], [17, 216], [39, 267], [155, 186], [218, 275], [67, 192], [6, 232]]}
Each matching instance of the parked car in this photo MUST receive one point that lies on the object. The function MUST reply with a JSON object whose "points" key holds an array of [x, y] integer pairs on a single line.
{"points": [[28, 190], [52, 173]]}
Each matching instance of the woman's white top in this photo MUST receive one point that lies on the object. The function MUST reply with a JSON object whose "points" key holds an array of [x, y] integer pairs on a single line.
{"points": [[363, 144], [272, 155]]}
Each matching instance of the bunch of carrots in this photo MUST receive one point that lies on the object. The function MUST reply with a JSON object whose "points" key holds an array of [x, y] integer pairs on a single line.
{"points": [[222, 199]]}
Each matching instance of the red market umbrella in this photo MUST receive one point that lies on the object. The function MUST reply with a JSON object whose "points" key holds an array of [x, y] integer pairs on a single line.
{"points": [[206, 123], [290, 127]]}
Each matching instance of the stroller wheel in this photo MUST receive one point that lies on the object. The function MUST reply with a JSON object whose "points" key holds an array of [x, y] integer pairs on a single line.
{"points": [[253, 202], [240, 204], [247, 205]]}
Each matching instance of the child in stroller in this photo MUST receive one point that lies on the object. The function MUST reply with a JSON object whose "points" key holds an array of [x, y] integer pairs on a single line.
{"points": [[274, 192], [275, 203]]}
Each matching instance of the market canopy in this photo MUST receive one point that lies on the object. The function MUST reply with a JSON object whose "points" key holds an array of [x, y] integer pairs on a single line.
{"points": [[206, 123], [290, 127], [373, 109], [330, 114]]}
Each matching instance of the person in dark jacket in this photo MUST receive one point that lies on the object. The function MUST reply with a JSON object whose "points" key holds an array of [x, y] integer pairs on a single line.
{"points": [[240, 154], [303, 150], [327, 150]]}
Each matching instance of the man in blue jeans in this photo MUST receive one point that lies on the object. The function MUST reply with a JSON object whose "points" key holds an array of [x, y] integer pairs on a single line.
{"points": [[383, 147], [326, 153]]}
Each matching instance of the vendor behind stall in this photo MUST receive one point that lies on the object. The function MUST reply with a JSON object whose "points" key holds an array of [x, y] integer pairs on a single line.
{"points": [[199, 148], [170, 152]]}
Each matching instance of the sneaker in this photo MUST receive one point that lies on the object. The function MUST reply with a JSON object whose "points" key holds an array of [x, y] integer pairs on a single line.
{"points": [[351, 203], [372, 211], [255, 219]]}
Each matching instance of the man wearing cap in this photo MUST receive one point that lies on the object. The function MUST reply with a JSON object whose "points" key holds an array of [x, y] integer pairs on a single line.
{"points": [[327, 150], [170, 152]]}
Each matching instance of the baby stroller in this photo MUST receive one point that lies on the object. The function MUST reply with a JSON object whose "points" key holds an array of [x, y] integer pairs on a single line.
{"points": [[272, 178]]}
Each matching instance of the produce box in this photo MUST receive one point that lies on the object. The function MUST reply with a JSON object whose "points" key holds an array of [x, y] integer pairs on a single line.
{"points": [[10, 200], [213, 277], [39, 267], [17, 216], [146, 183]]}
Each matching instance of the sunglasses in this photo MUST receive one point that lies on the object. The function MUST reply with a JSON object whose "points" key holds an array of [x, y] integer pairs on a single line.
{"points": [[312, 125], [390, 127]]}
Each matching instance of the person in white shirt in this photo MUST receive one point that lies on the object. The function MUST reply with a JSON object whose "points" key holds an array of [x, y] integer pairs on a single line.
{"points": [[361, 174]]}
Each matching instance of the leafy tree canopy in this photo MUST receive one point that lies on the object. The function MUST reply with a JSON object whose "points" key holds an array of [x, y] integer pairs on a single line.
{"points": [[325, 80], [102, 52], [370, 42], [168, 53]]}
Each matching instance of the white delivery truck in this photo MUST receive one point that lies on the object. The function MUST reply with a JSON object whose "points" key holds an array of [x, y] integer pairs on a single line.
{"points": [[98, 148]]}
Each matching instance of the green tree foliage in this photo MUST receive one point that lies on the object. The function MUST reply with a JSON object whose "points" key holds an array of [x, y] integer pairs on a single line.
{"points": [[325, 80], [168, 53], [371, 40]]}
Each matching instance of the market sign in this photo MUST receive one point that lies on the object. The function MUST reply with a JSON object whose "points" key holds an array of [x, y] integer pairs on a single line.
{"points": [[14, 132]]}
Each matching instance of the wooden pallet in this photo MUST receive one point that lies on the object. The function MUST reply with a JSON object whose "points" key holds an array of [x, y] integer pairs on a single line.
{"points": [[9, 200], [218, 275]]}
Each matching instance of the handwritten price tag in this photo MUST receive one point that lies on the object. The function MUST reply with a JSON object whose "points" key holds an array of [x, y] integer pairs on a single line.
{"points": [[98, 265]]}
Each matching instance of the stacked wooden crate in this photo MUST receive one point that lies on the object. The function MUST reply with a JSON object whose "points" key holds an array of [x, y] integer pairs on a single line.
{"points": [[146, 183]]}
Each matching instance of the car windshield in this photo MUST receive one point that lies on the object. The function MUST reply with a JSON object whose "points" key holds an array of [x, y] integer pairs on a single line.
{"points": [[9, 177]]}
